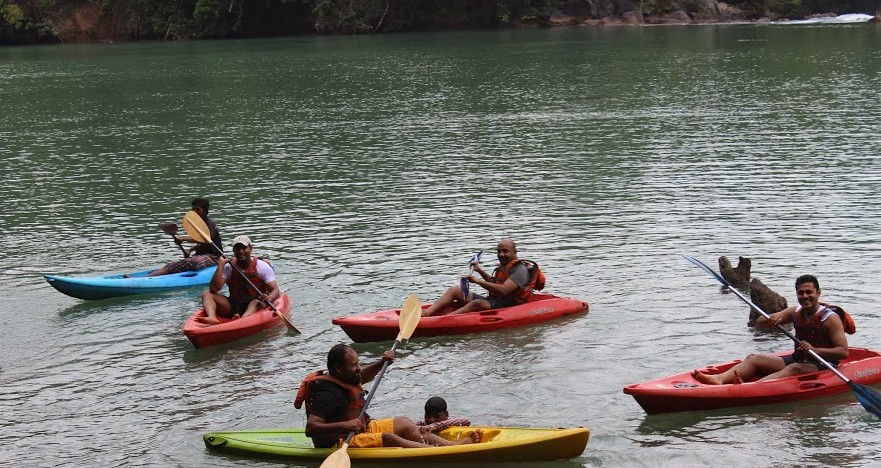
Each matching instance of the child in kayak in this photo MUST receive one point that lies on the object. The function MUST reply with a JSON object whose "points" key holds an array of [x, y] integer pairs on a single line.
{"points": [[437, 418]]}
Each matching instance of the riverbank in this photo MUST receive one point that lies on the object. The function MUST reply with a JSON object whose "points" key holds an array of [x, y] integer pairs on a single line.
{"points": [[84, 21]]}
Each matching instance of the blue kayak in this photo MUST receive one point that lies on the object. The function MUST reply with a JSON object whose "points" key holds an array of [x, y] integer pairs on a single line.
{"points": [[103, 287]]}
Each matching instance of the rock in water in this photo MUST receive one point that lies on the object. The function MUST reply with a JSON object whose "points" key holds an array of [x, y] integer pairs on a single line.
{"points": [[738, 277], [765, 298]]}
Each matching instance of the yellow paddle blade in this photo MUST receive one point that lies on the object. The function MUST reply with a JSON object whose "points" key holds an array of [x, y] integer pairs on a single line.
{"points": [[196, 227], [411, 312], [338, 459]]}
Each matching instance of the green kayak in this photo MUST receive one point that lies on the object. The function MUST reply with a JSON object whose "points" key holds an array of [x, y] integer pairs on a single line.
{"points": [[497, 444]]}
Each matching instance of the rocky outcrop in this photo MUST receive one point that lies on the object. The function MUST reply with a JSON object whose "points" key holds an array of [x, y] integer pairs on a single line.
{"points": [[762, 296], [738, 277]]}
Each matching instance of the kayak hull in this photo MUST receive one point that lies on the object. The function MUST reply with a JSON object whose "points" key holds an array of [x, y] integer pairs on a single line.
{"points": [[383, 325], [498, 444], [105, 287], [681, 392], [203, 335]]}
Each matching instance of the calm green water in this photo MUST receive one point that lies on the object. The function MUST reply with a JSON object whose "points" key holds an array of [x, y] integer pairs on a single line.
{"points": [[372, 167]]}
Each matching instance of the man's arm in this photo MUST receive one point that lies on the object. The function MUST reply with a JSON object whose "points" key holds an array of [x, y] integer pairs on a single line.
{"points": [[217, 280], [502, 290], [369, 372], [835, 330], [779, 318], [317, 427]]}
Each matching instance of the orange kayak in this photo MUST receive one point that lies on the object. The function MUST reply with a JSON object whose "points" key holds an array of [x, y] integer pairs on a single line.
{"points": [[202, 335], [383, 325], [681, 392]]}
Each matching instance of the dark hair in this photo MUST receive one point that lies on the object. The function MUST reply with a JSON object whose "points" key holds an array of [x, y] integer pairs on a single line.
{"points": [[435, 405], [201, 203], [337, 356], [807, 279]]}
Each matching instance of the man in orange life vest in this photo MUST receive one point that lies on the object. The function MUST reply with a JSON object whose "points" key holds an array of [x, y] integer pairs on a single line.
{"points": [[510, 284], [816, 325], [335, 399], [243, 299]]}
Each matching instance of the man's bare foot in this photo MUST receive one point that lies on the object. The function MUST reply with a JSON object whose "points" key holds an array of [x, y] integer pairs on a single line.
{"points": [[472, 437], [208, 320], [737, 379], [707, 379]]}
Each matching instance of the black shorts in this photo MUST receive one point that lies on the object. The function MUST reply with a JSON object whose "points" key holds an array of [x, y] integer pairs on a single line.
{"points": [[791, 359], [238, 307], [496, 302]]}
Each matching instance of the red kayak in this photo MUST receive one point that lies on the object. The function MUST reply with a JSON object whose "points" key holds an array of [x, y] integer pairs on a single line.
{"points": [[383, 325], [202, 335], [681, 392]]}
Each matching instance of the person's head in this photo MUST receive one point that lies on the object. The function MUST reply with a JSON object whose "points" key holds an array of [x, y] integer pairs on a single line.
{"points": [[435, 410], [506, 251], [200, 205], [807, 290], [343, 363], [242, 248]]}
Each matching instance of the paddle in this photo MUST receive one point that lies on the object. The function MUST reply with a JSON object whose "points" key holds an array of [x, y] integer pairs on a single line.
{"points": [[198, 230], [171, 229], [868, 397], [411, 312], [463, 282]]}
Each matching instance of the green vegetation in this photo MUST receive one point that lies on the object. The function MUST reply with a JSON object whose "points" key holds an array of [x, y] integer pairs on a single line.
{"points": [[33, 21]]}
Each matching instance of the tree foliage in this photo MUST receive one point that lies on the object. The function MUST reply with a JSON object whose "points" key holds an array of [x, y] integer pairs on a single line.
{"points": [[28, 21]]}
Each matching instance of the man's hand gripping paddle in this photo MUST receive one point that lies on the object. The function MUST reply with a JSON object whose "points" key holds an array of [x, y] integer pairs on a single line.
{"points": [[463, 282], [171, 229]]}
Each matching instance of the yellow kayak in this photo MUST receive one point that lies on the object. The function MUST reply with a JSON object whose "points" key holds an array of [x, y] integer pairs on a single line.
{"points": [[497, 444]]}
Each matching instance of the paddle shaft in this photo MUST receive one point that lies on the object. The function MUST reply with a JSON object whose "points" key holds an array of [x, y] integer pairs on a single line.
{"points": [[182, 250], [167, 228], [464, 286], [764, 314]]}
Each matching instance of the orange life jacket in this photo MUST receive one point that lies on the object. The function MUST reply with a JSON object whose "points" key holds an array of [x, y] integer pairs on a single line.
{"points": [[239, 289], [355, 392], [536, 278], [811, 329], [849, 326]]}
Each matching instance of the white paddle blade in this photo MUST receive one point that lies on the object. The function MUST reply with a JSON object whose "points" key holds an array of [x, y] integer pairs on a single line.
{"points": [[196, 227], [338, 459], [411, 312]]}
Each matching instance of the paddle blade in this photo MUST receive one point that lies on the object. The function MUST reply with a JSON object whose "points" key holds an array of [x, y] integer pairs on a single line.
{"points": [[287, 322], [709, 270], [411, 312], [868, 397], [338, 459], [168, 227], [463, 285], [196, 227]]}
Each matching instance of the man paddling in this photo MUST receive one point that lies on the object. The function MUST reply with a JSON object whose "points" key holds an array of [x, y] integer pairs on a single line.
{"points": [[243, 298], [334, 400], [818, 327], [201, 255], [510, 284]]}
